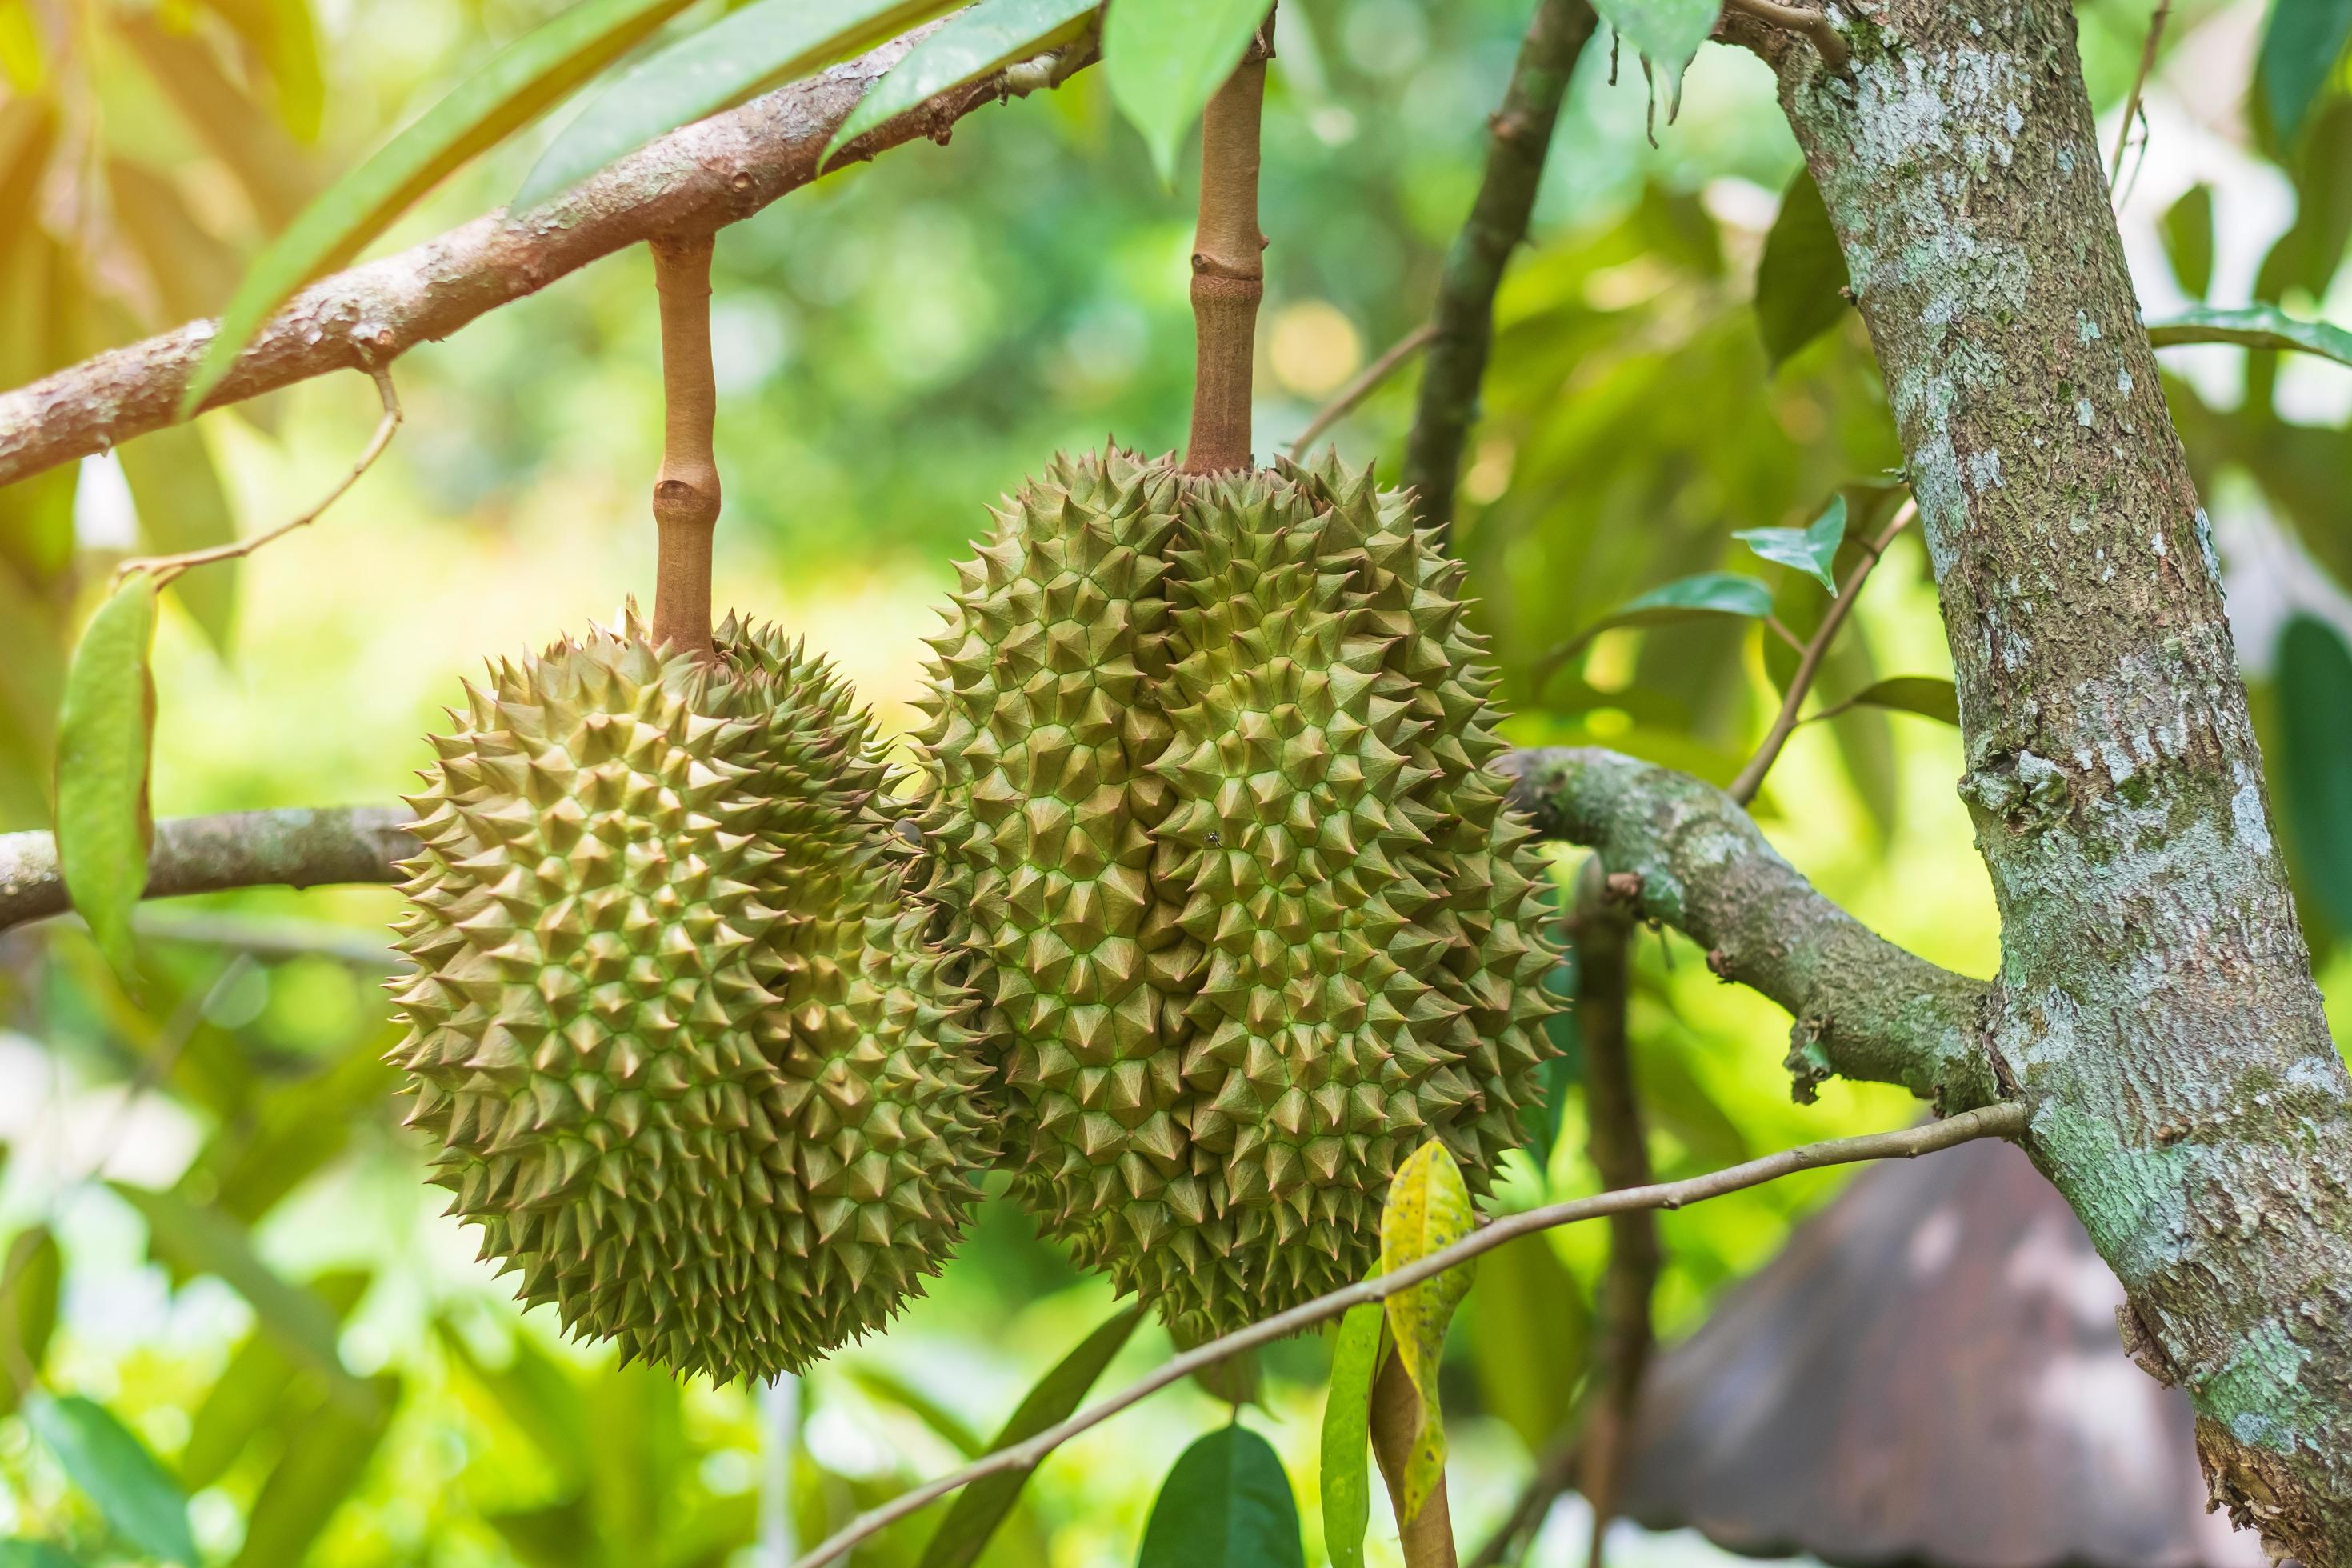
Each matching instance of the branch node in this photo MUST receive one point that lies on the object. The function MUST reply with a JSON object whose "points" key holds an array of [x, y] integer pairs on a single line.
{"points": [[1623, 886]]}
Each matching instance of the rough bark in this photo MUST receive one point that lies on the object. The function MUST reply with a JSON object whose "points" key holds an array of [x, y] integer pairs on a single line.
{"points": [[2155, 1009], [1518, 136], [711, 173], [296, 848]]}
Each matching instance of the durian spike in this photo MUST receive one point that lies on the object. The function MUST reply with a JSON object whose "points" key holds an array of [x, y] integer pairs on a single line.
{"points": [[1228, 266], [685, 493]]}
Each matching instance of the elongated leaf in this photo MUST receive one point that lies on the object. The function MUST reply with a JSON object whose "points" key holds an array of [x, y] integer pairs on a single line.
{"points": [[33, 1269], [1799, 276], [261, 1387], [1428, 1209], [765, 45], [277, 176], [323, 1460], [103, 729], [22, 63], [115, 1469], [1226, 1503], [2254, 327], [1530, 1331], [1347, 1436], [1164, 59], [282, 33], [200, 1239], [182, 507], [981, 1507], [33, 1554], [2314, 710], [1929, 696], [973, 42], [1809, 550], [889, 1387], [2300, 48], [536, 1395], [1683, 599], [2187, 229], [1666, 33], [516, 86]]}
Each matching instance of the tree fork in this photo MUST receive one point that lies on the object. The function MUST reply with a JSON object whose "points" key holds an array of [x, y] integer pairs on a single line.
{"points": [[1228, 268], [685, 494]]}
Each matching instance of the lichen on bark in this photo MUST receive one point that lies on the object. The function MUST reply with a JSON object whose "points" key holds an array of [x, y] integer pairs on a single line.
{"points": [[2154, 1006]]}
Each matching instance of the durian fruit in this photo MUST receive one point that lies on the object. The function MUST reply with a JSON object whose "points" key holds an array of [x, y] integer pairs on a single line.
{"points": [[1212, 822], [695, 1070]]}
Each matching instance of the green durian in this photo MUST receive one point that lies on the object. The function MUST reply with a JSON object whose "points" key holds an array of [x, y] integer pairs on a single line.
{"points": [[695, 1068], [1212, 820]]}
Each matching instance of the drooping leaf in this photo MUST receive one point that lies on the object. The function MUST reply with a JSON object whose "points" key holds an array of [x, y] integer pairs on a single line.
{"points": [[1226, 1503], [182, 507], [1799, 278], [2300, 48], [979, 39], [33, 1269], [2187, 229], [765, 45], [513, 88], [2315, 699], [276, 175], [1164, 59], [103, 728], [324, 1456], [2254, 327], [1811, 550], [1428, 1209], [283, 35], [1929, 696], [981, 1507], [1696, 597], [1666, 33], [261, 1388], [1531, 1331], [889, 1387], [1347, 1434], [2307, 255], [113, 1468]]}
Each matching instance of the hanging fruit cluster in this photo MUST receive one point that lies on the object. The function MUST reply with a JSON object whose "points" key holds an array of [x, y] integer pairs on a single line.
{"points": [[1214, 914]]}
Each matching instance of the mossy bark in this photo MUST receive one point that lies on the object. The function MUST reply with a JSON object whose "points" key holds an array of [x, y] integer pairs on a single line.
{"points": [[2155, 1009]]}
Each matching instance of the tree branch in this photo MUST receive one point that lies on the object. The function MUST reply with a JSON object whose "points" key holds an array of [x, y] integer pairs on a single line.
{"points": [[714, 172], [2002, 1121], [1464, 322], [1683, 852], [295, 848]]}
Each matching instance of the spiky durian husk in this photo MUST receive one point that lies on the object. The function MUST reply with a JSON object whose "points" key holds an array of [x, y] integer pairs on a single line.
{"points": [[1332, 951], [695, 1069]]}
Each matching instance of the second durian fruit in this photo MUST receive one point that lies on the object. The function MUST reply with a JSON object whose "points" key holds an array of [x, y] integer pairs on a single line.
{"points": [[1211, 823], [694, 1068]]}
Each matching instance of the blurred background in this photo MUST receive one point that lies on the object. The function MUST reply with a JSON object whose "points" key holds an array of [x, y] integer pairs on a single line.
{"points": [[214, 1226]]}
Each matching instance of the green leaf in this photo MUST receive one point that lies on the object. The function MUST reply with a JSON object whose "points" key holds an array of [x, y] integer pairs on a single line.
{"points": [[323, 1460], [1164, 59], [33, 1554], [2254, 327], [889, 1387], [1428, 1210], [1689, 598], [104, 726], [182, 507], [979, 39], [1666, 33], [981, 1507], [262, 1388], [282, 34], [34, 1271], [534, 1393], [762, 46], [2186, 228], [2300, 48], [1226, 1503], [1929, 696], [516, 86], [114, 1468], [1346, 1432], [1809, 550], [1530, 1331], [2315, 697], [1798, 279]]}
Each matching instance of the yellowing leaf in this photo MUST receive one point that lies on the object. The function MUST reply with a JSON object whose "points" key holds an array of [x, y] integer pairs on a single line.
{"points": [[108, 715], [1427, 1211]]}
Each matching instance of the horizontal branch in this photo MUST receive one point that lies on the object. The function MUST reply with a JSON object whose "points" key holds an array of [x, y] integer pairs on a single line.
{"points": [[294, 848], [2002, 1121], [1682, 851], [711, 173]]}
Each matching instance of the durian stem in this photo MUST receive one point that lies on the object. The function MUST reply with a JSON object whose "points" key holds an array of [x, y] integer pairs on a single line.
{"points": [[1228, 268], [685, 494], [1428, 1538]]}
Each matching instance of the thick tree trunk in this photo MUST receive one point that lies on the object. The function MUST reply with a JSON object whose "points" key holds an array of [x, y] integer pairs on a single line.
{"points": [[2155, 1007]]}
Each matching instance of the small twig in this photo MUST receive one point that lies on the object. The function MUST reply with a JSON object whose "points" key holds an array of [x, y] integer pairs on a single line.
{"points": [[2006, 1120], [163, 568], [1808, 663], [2157, 19], [1814, 24], [1344, 402]]}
